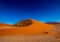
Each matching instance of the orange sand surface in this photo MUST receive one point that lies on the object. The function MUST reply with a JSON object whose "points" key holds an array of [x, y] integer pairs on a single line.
{"points": [[35, 28], [2, 25]]}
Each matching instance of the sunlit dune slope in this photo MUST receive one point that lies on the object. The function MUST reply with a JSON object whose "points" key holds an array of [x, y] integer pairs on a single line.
{"points": [[35, 28], [4, 25]]}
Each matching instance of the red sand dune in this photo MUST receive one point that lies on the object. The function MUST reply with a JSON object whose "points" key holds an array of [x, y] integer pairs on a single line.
{"points": [[3, 25], [35, 28]]}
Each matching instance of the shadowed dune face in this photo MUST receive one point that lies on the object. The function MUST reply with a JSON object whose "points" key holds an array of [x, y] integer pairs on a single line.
{"points": [[24, 23]]}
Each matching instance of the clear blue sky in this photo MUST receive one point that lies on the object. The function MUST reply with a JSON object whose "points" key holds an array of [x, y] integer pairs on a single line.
{"points": [[12, 11]]}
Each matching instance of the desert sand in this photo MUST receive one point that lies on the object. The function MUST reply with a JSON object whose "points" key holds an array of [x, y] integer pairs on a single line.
{"points": [[36, 32]]}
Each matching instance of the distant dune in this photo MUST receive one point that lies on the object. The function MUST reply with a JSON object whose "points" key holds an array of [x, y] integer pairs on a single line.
{"points": [[4, 25]]}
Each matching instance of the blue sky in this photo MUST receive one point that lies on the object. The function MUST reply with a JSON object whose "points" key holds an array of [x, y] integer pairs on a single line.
{"points": [[12, 11]]}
